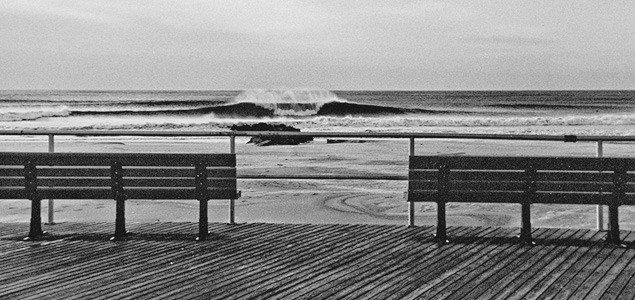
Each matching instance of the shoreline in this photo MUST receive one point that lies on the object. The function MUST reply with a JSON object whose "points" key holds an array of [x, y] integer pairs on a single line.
{"points": [[318, 201]]}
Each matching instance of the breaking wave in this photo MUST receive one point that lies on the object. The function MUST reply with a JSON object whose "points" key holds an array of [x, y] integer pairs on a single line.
{"points": [[20, 114]]}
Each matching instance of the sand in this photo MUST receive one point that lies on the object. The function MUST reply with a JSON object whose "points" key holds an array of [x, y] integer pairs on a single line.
{"points": [[315, 201]]}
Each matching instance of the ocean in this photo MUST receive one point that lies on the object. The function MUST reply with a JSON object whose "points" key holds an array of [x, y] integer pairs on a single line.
{"points": [[493, 112]]}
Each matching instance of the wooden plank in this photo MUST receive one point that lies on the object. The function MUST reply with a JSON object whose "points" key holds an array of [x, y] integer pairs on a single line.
{"points": [[77, 171], [178, 193], [127, 182], [515, 197], [617, 286], [75, 192], [104, 171], [469, 175], [578, 186], [126, 159], [233, 290], [400, 268], [522, 274], [12, 193], [521, 163], [470, 185], [577, 275], [162, 263], [566, 163], [604, 283], [177, 182], [12, 181], [617, 163], [234, 262], [584, 176], [182, 286], [591, 288], [517, 186], [558, 271], [300, 273], [131, 193], [260, 261], [76, 289], [489, 175], [468, 162], [314, 284], [77, 182], [213, 172], [11, 171], [455, 277], [481, 279], [466, 196]]}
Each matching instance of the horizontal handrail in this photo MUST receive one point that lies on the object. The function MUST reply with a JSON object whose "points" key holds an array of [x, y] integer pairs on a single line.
{"points": [[397, 135], [402, 135]]}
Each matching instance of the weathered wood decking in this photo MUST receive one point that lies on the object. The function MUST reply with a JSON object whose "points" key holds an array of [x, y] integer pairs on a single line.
{"points": [[282, 261]]}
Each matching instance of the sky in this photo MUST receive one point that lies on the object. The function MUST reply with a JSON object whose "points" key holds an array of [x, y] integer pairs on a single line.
{"points": [[335, 45]]}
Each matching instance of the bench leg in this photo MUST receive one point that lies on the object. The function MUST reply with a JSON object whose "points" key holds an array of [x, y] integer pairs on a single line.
{"points": [[120, 221], [202, 221], [525, 229], [35, 230], [614, 225], [441, 235]]}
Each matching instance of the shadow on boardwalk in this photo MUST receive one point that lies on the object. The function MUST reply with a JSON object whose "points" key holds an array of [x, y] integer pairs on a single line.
{"points": [[304, 261]]}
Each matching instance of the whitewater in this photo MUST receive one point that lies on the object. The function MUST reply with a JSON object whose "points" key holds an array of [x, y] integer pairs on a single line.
{"points": [[314, 109]]}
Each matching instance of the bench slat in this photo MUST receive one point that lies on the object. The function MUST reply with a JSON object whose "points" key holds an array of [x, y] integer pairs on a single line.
{"points": [[569, 186], [47, 171], [579, 186], [177, 182], [131, 193], [575, 176], [127, 182], [521, 163], [216, 172], [514, 197], [470, 185], [469, 175], [126, 159], [467, 162]]}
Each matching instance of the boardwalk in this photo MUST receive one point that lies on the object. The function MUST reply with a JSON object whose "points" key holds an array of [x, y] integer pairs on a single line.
{"points": [[282, 261]]}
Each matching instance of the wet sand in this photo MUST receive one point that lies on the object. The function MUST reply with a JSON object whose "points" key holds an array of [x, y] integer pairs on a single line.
{"points": [[316, 201]]}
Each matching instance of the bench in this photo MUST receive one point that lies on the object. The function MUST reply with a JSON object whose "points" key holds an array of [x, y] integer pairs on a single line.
{"points": [[522, 180], [117, 176]]}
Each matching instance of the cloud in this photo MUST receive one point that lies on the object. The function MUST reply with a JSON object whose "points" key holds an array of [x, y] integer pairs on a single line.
{"points": [[85, 11], [272, 41]]}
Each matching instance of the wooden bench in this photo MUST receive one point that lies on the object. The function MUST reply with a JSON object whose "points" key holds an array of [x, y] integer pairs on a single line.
{"points": [[117, 176], [522, 180]]}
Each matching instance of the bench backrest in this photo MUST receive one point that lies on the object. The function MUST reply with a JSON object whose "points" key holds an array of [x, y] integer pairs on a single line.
{"points": [[565, 180], [117, 175]]}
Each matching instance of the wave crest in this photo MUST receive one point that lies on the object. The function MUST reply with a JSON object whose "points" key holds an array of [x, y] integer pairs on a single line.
{"points": [[25, 114], [289, 102]]}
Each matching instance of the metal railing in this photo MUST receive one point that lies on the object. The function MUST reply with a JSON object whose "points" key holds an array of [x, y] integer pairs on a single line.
{"points": [[412, 136]]}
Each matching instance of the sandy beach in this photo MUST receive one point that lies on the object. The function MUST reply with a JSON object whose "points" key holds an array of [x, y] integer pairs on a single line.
{"points": [[315, 201]]}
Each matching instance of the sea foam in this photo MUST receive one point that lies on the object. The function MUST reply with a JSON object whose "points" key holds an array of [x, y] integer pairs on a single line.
{"points": [[289, 102]]}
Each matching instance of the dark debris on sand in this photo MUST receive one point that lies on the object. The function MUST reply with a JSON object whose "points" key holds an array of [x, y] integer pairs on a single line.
{"points": [[269, 140]]}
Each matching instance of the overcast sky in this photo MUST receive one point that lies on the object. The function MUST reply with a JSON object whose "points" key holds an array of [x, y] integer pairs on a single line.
{"points": [[336, 45]]}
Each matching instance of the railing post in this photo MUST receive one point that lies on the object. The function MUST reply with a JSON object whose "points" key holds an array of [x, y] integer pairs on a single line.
{"points": [[600, 208], [232, 150], [411, 204], [51, 204]]}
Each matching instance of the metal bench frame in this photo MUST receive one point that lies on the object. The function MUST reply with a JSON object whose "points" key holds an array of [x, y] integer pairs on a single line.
{"points": [[117, 176], [522, 180]]}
